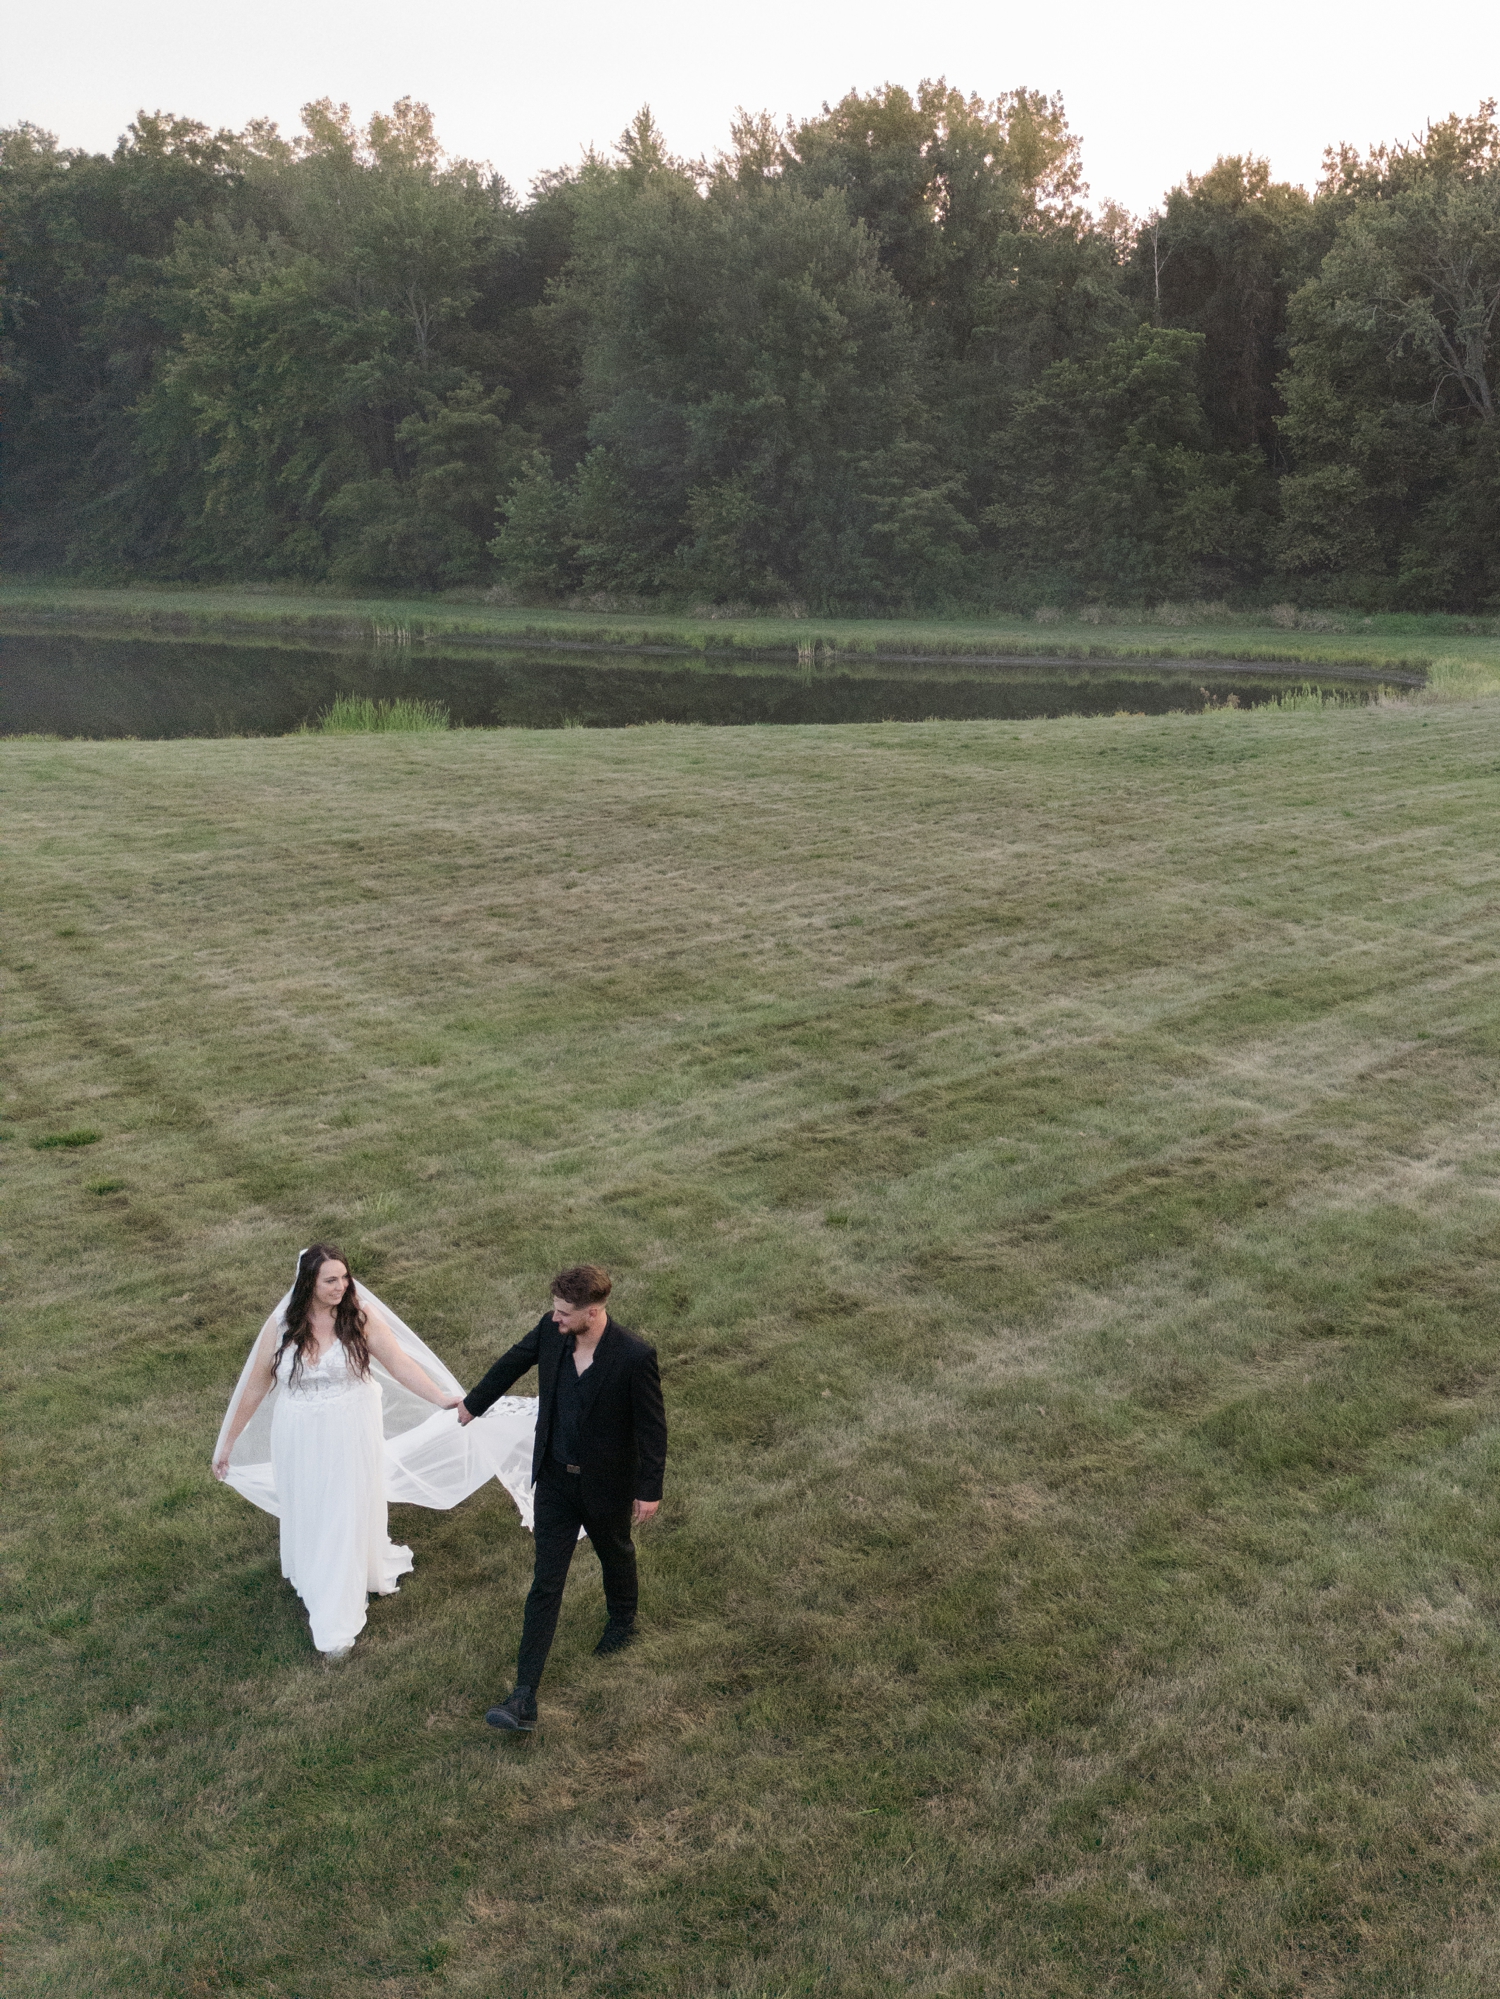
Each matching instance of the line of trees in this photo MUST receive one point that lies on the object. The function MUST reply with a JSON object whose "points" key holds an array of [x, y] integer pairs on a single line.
{"points": [[883, 357]]}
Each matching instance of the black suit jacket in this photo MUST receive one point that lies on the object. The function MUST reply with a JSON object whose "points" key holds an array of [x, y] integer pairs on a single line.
{"points": [[622, 1422]]}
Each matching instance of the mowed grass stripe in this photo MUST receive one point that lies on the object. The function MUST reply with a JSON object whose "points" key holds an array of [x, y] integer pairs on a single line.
{"points": [[1072, 1268]]}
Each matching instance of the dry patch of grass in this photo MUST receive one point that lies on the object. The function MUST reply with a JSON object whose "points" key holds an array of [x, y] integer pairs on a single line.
{"points": [[1057, 1165]]}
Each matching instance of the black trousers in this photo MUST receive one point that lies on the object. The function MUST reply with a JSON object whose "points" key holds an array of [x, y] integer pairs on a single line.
{"points": [[559, 1515]]}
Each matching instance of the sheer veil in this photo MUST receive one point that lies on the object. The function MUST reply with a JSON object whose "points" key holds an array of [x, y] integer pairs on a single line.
{"points": [[430, 1458]]}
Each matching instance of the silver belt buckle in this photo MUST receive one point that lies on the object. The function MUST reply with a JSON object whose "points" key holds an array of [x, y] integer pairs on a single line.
{"points": [[572, 1468]]}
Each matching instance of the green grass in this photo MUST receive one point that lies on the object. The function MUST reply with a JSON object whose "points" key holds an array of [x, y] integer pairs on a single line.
{"points": [[1460, 655], [361, 715], [1058, 1165], [1313, 700]]}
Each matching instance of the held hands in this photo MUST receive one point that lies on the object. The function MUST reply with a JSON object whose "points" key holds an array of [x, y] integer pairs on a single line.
{"points": [[464, 1415]]}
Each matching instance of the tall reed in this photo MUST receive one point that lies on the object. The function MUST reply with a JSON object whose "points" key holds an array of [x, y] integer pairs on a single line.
{"points": [[360, 715]]}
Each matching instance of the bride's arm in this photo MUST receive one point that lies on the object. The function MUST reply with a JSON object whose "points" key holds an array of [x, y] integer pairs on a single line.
{"points": [[257, 1388], [394, 1358]]}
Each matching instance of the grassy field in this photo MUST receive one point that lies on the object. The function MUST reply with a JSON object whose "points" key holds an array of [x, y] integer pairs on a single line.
{"points": [[1460, 655], [1058, 1164]]}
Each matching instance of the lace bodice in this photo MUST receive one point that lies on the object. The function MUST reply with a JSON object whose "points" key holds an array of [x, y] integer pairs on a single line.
{"points": [[323, 1380]]}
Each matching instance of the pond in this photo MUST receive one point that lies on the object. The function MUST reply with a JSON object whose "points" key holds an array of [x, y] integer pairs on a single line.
{"points": [[110, 687]]}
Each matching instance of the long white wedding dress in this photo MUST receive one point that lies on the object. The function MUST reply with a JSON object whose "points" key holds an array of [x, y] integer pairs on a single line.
{"points": [[326, 1452], [328, 1461]]}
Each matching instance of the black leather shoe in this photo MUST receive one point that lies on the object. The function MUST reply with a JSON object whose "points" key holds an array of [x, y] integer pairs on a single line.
{"points": [[616, 1637], [517, 1712]]}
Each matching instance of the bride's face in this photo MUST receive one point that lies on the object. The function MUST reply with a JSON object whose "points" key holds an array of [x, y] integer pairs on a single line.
{"points": [[330, 1285]]}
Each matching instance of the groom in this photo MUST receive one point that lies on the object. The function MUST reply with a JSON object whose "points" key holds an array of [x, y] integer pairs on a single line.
{"points": [[601, 1449]]}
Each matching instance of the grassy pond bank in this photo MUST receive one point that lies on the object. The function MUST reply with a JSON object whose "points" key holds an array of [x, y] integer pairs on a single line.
{"points": [[157, 662]]}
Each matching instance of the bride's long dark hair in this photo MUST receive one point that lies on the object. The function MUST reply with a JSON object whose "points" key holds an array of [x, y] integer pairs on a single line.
{"points": [[348, 1317]]}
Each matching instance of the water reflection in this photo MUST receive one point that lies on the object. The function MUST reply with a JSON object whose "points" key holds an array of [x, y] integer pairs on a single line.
{"points": [[98, 687]]}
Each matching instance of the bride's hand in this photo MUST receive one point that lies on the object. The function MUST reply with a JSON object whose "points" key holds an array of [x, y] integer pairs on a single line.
{"points": [[221, 1466], [452, 1402]]}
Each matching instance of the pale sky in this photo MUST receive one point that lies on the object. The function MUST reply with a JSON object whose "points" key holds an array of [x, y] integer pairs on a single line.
{"points": [[1155, 91]]}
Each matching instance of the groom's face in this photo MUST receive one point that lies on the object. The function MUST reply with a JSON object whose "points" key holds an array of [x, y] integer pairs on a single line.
{"points": [[571, 1319]]}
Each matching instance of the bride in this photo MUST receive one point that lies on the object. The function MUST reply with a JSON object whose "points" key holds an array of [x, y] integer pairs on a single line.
{"points": [[349, 1392]]}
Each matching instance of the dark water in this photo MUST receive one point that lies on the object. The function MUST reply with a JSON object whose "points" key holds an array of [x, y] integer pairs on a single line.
{"points": [[98, 687]]}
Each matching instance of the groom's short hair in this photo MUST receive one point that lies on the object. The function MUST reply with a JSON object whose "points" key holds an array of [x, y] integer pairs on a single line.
{"points": [[583, 1284]]}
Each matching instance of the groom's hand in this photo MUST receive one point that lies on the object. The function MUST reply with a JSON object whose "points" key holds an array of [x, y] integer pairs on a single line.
{"points": [[465, 1414], [643, 1510]]}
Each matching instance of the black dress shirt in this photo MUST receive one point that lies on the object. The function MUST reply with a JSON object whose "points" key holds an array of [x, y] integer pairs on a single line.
{"points": [[569, 1402]]}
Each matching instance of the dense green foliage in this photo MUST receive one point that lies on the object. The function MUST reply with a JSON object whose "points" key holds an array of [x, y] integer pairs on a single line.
{"points": [[882, 358]]}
